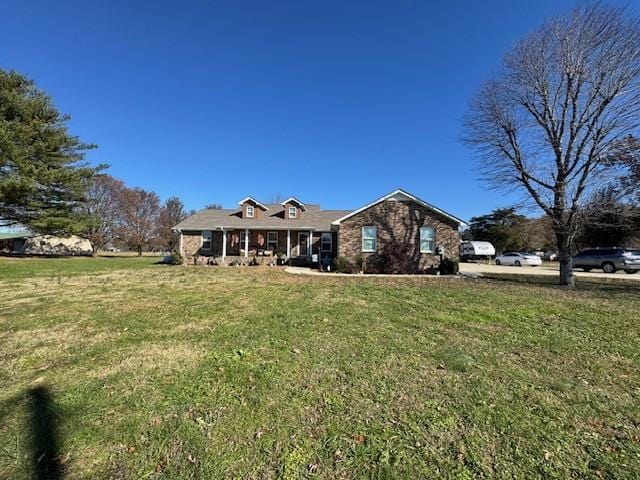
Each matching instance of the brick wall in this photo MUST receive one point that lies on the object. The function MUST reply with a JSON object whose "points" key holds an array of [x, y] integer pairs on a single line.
{"points": [[399, 221], [191, 242]]}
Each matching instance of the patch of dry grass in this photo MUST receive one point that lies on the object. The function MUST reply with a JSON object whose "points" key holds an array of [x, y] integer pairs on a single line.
{"points": [[150, 358]]}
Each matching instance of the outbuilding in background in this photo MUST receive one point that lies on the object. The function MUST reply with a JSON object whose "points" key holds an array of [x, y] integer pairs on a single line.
{"points": [[21, 243]]}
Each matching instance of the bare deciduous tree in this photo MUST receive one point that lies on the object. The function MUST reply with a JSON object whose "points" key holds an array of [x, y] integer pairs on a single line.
{"points": [[276, 198], [171, 214], [139, 210], [102, 209], [562, 99]]}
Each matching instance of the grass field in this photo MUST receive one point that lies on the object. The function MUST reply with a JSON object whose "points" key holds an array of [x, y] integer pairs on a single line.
{"points": [[121, 368]]}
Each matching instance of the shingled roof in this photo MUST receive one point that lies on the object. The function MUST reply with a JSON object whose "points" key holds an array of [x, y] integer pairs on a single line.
{"points": [[274, 218]]}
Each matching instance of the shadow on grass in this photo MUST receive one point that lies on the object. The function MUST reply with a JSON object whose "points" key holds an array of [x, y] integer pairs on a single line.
{"points": [[163, 262], [45, 439]]}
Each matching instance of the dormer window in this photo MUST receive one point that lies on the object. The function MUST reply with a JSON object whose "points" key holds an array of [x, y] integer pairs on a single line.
{"points": [[293, 207], [249, 206]]}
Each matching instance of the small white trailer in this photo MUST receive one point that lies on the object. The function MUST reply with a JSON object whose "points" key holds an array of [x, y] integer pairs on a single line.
{"points": [[476, 250]]}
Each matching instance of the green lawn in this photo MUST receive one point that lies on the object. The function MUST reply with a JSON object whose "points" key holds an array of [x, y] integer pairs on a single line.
{"points": [[121, 368]]}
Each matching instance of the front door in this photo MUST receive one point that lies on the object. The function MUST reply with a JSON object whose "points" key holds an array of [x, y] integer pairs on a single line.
{"points": [[303, 244]]}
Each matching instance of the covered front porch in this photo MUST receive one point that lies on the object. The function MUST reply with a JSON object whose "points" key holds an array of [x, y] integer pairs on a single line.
{"points": [[244, 246], [290, 245]]}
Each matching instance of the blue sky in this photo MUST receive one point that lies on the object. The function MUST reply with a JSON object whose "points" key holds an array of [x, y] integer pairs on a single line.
{"points": [[334, 102]]}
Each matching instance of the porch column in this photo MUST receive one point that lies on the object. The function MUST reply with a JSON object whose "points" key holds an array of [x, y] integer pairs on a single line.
{"points": [[246, 242], [310, 242], [224, 243], [288, 243]]}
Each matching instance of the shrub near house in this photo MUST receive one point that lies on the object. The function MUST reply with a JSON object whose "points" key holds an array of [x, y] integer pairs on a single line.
{"points": [[397, 233]]}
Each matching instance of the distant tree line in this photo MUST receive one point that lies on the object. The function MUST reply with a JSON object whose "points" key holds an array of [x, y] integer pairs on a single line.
{"points": [[131, 217], [508, 230], [606, 221]]}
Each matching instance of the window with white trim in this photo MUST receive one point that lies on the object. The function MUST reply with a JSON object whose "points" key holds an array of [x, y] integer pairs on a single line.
{"points": [[369, 238], [326, 242], [272, 240], [206, 239], [243, 238], [250, 211], [427, 239], [293, 212]]}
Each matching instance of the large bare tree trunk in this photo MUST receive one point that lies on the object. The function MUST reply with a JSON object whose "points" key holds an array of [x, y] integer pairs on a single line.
{"points": [[566, 262]]}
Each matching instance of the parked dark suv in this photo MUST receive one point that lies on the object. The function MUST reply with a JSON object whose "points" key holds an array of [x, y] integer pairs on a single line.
{"points": [[608, 259]]}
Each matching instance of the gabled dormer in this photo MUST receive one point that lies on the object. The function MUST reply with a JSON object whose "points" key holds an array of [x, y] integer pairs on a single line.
{"points": [[251, 208], [293, 208]]}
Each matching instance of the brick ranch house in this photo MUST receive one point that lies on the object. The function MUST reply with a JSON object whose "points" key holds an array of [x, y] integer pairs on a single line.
{"points": [[306, 234]]}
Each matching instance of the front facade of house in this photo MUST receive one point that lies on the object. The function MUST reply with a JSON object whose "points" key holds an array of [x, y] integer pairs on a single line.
{"points": [[307, 234]]}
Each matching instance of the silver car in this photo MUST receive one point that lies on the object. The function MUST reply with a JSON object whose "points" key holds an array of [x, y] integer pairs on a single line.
{"points": [[608, 259]]}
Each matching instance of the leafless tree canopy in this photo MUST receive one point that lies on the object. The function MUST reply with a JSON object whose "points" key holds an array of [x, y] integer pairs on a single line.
{"points": [[276, 198], [171, 213], [102, 207], [140, 210], [562, 99]]}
